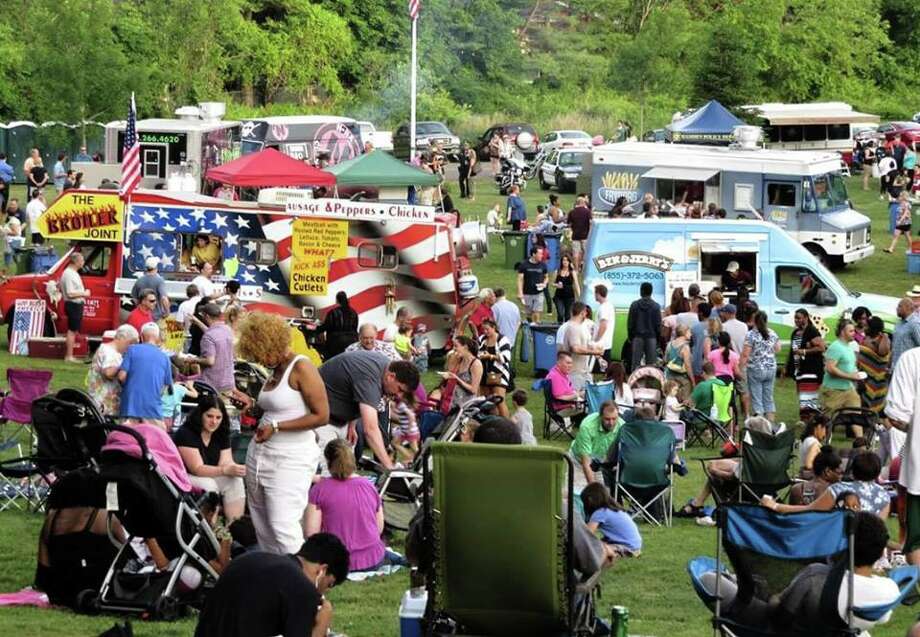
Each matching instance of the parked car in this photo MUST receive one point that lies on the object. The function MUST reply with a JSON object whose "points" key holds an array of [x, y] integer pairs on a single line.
{"points": [[658, 135], [381, 140], [558, 139], [909, 131], [561, 169], [530, 151], [426, 134]]}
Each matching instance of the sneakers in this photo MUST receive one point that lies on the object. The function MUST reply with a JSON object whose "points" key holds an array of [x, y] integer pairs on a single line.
{"points": [[705, 521]]}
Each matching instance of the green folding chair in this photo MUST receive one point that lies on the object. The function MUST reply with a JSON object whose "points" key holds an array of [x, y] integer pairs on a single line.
{"points": [[765, 461], [499, 520], [643, 475]]}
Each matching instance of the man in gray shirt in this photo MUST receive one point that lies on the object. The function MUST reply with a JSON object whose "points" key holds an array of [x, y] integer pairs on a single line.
{"points": [[906, 334], [355, 384], [74, 297], [507, 316], [150, 280]]}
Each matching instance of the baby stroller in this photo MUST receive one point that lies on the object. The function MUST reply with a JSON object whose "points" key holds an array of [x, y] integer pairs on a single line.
{"points": [[399, 489], [647, 384]]}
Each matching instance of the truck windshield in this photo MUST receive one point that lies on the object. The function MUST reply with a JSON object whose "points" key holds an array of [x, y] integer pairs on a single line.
{"points": [[570, 159], [830, 192], [247, 147]]}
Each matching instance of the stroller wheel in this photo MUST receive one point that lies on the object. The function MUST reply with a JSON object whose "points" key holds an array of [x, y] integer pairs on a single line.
{"points": [[166, 609], [87, 602]]}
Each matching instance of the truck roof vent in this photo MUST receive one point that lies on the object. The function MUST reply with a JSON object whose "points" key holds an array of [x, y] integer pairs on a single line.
{"points": [[746, 137], [188, 113], [212, 111]]}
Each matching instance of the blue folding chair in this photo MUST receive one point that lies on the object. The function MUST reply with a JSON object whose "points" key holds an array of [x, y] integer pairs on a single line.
{"points": [[767, 550]]}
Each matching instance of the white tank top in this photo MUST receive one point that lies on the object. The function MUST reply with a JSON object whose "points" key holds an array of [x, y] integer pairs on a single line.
{"points": [[283, 403]]}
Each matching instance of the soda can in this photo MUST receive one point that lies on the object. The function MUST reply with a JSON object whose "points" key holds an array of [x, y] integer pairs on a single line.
{"points": [[620, 626]]}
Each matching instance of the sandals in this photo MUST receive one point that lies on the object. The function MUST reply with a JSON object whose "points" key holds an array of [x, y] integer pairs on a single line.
{"points": [[888, 251], [689, 510]]}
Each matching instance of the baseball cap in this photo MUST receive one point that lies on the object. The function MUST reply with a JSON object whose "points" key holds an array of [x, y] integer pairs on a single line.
{"points": [[732, 266], [152, 263], [728, 308], [914, 291]]}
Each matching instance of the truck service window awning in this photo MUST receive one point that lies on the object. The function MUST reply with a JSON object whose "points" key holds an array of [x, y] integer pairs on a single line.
{"points": [[725, 247], [681, 173]]}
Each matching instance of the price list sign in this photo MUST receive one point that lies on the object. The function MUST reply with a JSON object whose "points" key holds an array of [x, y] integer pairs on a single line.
{"points": [[314, 242]]}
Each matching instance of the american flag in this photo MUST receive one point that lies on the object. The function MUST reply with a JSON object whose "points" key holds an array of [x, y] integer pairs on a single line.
{"points": [[414, 7], [28, 322], [131, 160]]}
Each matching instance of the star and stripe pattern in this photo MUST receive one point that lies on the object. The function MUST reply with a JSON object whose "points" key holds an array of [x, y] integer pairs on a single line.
{"points": [[424, 279]]}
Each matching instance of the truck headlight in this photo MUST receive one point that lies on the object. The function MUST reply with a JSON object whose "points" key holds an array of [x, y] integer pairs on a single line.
{"points": [[849, 239]]}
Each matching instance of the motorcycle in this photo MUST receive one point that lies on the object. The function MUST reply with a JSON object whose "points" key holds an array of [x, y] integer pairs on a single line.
{"points": [[512, 173]]}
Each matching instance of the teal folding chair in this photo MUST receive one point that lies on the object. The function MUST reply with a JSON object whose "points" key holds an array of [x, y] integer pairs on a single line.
{"points": [[643, 475]]}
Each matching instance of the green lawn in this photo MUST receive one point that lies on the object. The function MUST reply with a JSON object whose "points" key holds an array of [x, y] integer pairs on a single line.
{"points": [[654, 587]]}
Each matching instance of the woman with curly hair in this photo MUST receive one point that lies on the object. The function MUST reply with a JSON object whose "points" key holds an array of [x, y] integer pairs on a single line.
{"points": [[284, 455]]}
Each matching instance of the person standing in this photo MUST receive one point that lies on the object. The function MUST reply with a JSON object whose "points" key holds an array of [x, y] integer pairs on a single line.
{"points": [[874, 360], [6, 182], [203, 281], [758, 360], [495, 354], [283, 456], [75, 296], [643, 327], [579, 220], [38, 175], [466, 168], [532, 279], [906, 334], [576, 341], [567, 289], [517, 209], [145, 372], [102, 378], [83, 156], [34, 210], [868, 163], [402, 317], [495, 151], [340, 326], [151, 280], [606, 320], [216, 357], [507, 316], [27, 165], [838, 389], [60, 172], [143, 311]]}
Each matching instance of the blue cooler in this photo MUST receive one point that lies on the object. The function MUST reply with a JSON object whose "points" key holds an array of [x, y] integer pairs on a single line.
{"points": [[544, 347], [554, 245], [43, 258], [411, 612], [913, 262]]}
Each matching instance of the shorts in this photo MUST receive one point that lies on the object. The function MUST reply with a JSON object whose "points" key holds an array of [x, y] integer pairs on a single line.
{"points": [[74, 313], [578, 247], [533, 303], [912, 541], [905, 228], [833, 400], [230, 488], [741, 387]]}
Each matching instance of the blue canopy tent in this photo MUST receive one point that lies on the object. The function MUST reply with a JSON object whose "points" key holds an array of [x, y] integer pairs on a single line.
{"points": [[712, 124]]}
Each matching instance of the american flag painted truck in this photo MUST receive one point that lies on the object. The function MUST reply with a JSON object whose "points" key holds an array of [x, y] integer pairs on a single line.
{"points": [[289, 258]]}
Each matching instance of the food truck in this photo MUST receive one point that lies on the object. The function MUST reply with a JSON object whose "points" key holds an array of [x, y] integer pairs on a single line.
{"points": [[803, 193], [670, 252], [173, 149], [322, 140], [289, 259]]}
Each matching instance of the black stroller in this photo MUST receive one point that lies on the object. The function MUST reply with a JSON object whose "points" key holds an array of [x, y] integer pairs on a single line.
{"points": [[141, 502]]}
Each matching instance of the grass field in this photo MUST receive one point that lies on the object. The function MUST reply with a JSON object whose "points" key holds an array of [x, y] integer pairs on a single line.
{"points": [[654, 587]]}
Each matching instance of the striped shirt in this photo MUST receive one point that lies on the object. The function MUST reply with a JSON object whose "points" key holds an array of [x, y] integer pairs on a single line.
{"points": [[502, 364]]}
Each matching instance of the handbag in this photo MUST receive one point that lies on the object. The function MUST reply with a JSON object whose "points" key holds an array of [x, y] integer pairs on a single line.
{"points": [[676, 368], [493, 379]]}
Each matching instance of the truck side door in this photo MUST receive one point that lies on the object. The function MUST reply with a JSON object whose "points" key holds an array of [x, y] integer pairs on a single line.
{"points": [[101, 310], [797, 286]]}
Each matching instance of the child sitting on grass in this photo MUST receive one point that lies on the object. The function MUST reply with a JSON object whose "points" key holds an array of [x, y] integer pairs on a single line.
{"points": [[618, 530]]}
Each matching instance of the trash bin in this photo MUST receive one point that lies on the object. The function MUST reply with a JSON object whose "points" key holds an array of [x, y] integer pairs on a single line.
{"points": [[43, 258], [544, 347], [22, 261], [515, 247], [553, 244]]}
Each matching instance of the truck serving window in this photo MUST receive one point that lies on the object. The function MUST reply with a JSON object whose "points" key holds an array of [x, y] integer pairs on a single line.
{"points": [[716, 255], [258, 252], [781, 195], [815, 133], [798, 285], [376, 256], [838, 131]]}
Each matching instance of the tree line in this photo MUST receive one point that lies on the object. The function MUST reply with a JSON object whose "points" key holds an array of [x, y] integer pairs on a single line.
{"points": [[541, 61]]}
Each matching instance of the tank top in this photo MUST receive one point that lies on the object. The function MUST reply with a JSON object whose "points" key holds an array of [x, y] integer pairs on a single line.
{"points": [[284, 403]]}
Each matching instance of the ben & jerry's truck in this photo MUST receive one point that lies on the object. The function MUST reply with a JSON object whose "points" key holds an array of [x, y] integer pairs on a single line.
{"points": [[802, 192], [291, 259], [671, 253]]}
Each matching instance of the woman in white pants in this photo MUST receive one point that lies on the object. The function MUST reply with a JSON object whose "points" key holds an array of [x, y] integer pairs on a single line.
{"points": [[283, 456]]}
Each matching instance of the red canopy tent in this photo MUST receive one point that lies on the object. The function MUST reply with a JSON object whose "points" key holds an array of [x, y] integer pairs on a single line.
{"points": [[269, 168]]}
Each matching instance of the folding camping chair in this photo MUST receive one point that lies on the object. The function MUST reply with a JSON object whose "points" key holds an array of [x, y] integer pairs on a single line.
{"points": [[492, 510], [644, 474], [699, 424], [765, 460], [19, 479], [556, 423], [766, 551], [849, 417]]}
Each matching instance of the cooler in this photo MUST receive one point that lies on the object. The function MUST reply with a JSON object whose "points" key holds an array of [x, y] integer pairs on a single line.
{"points": [[553, 244], [913, 263], [544, 347], [411, 612], [43, 258], [56, 347], [515, 247]]}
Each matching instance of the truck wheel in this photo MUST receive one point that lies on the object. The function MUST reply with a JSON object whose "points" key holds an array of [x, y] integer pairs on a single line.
{"points": [[819, 253]]}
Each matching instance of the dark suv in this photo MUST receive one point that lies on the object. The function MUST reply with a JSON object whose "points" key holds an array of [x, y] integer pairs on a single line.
{"points": [[482, 144], [426, 134]]}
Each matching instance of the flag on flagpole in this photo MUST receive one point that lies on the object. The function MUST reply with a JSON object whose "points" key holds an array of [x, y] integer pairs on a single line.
{"points": [[131, 157], [414, 7]]}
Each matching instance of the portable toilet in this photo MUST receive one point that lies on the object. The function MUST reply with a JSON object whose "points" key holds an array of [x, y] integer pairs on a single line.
{"points": [[3, 148], [20, 138], [51, 138]]}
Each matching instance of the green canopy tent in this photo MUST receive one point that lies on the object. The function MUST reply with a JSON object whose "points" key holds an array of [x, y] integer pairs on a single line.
{"points": [[379, 168]]}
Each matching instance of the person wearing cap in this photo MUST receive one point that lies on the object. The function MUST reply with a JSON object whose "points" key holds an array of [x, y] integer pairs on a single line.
{"points": [[151, 280], [914, 295], [734, 277]]}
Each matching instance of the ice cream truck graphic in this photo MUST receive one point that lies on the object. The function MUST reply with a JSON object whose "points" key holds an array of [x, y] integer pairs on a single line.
{"points": [[289, 259], [802, 192], [669, 253]]}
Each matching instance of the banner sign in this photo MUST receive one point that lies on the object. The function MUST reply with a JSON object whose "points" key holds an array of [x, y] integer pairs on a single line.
{"points": [[360, 210], [313, 243], [173, 333], [86, 216], [28, 322]]}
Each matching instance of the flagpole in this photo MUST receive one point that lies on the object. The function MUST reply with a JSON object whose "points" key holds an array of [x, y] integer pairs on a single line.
{"points": [[412, 90]]}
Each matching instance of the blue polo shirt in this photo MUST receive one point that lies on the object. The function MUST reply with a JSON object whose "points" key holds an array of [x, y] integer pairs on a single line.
{"points": [[149, 372]]}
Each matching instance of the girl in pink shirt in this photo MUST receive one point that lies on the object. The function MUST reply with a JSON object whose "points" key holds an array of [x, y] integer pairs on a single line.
{"points": [[725, 359]]}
